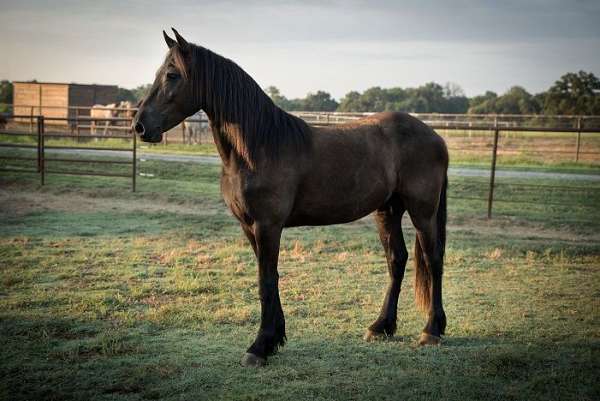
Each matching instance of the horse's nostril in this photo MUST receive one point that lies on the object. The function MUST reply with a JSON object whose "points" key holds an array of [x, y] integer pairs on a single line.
{"points": [[139, 128]]}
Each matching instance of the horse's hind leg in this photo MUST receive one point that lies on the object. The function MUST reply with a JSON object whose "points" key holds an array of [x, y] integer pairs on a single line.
{"points": [[429, 254], [389, 224]]}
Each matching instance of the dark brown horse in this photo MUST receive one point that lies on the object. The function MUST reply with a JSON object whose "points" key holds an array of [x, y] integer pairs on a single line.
{"points": [[280, 172]]}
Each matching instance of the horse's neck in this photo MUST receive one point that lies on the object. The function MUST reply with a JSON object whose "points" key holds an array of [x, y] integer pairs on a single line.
{"points": [[224, 133], [222, 142]]}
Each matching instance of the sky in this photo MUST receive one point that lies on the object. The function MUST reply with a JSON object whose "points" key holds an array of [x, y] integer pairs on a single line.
{"points": [[302, 47]]}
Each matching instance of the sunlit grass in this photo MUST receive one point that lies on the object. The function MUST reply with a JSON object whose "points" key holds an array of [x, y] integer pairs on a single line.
{"points": [[109, 294]]}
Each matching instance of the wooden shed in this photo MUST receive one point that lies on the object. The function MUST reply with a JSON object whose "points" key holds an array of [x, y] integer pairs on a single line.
{"points": [[52, 99]]}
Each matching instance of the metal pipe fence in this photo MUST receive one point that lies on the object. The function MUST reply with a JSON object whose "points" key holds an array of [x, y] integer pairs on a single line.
{"points": [[494, 128], [42, 158], [487, 139]]}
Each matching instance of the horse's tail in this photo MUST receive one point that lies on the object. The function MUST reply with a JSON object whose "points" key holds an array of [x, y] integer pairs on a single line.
{"points": [[423, 275]]}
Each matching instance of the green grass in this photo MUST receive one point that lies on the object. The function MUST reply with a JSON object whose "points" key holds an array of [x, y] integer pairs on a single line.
{"points": [[107, 294]]}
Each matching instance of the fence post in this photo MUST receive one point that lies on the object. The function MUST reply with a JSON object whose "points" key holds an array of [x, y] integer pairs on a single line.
{"points": [[39, 145], [41, 129], [134, 169], [31, 120], [578, 143], [493, 170], [77, 125]]}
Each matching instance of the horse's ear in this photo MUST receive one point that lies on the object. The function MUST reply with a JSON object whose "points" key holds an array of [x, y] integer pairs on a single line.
{"points": [[170, 42], [183, 44]]}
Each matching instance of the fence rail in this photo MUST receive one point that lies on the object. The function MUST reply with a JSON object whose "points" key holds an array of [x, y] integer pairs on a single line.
{"points": [[469, 121], [41, 159], [493, 130]]}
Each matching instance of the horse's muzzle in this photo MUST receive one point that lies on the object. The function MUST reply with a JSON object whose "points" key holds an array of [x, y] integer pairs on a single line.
{"points": [[138, 128]]}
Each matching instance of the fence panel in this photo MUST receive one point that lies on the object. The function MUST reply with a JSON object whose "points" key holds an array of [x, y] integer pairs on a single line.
{"points": [[12, 129]]}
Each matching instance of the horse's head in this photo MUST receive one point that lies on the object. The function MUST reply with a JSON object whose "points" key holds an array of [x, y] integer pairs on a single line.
{"points": [[125, 109], [170, 100]]}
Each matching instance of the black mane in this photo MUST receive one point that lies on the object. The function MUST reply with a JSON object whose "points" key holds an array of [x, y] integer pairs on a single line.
{"points": [[239, 108]]}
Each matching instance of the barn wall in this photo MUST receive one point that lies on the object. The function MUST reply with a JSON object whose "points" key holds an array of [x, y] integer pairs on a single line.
{"points": [[106, 94], [25, 94], [81, 95], [56, 96], [60, 96], [89, 95]]}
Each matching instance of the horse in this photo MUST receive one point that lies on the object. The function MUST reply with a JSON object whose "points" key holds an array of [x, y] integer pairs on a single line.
{"points": [[279, 172], [122, 109], [103, 113], [125, 109], [194, 127]]}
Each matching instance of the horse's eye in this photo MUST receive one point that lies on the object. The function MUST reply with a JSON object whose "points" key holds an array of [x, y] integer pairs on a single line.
{"points": [[172, 75]]}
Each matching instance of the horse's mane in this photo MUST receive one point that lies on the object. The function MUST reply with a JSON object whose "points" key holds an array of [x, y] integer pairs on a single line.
{"points": [[239, 108]]}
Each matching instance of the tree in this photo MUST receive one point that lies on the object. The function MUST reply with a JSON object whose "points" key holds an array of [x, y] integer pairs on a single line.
{"points": [[427, 98], [514, 101], [320, 101], [283, 102], [140, 91], [482, 103], [574, 93], [277, 97], [350, 102], [395, 96], [374, 99], [452, 89], [128, 95], [456, 101], [456, 104], [430, 98], [6, 92], [6, 95]]}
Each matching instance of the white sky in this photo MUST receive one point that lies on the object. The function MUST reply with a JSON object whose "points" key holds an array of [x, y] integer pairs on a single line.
{"points": [[311, 45]]}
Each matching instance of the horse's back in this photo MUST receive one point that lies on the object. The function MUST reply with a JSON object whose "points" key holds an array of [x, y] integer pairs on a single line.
{"points": [[102, 111], [392, 138], [355, 168]]}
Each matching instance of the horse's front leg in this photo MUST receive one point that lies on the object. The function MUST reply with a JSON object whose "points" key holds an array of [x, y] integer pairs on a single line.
{"points": [[271, 334]]}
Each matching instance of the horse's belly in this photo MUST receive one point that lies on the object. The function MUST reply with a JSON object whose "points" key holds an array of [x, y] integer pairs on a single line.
{"points": [[338, 202]]}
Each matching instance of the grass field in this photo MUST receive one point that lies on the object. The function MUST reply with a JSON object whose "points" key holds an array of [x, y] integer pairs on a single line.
{"points": [[111, 295]]}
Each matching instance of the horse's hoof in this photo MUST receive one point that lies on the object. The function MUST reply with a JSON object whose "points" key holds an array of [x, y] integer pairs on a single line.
{"points": [[373, 336], [429, 339], [251, 360]]}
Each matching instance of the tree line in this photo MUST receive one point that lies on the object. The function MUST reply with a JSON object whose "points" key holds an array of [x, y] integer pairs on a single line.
{"points": [[573, 93]]}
